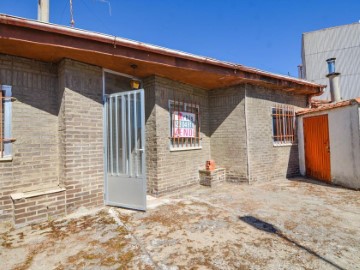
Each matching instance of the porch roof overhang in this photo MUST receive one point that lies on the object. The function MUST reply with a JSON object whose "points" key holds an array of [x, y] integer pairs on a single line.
{"points": [[51, 43]]}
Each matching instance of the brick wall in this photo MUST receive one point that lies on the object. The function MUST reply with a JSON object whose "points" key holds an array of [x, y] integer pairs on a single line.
{"points": [[228, 131], [177, 169], [34, 125], [150, 135], [266, 161], [37, 208], [212, 178], [82, 134], [58, 125]]}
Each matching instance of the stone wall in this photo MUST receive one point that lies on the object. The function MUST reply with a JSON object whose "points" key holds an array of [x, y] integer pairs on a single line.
{"points": [[266, 161]]}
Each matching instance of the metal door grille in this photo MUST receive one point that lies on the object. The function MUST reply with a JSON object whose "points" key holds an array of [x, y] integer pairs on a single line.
{"points": [[125, 177], [125, 144]]}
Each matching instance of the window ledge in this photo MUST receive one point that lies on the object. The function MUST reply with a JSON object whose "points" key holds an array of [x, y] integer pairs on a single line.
{"points": [[283, 144], [35, 193], [185, 149], [6, 159]]}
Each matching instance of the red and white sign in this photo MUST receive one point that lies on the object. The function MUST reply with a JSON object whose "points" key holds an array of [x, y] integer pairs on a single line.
{"points": [[183, 125]]}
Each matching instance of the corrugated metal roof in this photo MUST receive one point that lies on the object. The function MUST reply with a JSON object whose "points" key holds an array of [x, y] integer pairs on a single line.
{"points": [[342, 42]]}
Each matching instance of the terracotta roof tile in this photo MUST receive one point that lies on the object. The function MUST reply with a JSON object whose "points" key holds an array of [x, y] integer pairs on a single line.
{"points": [[330, 106]]}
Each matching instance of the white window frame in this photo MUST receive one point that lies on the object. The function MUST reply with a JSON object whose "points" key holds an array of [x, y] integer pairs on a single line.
{"points": [[195, 145], [7, 116]]}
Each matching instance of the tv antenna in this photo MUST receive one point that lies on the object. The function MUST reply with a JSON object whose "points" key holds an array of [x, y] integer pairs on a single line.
{"points": [[72, 22], [106, 2]]}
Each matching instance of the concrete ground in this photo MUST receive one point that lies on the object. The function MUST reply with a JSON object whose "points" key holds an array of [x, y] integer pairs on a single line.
{"points": [[288, 224]]}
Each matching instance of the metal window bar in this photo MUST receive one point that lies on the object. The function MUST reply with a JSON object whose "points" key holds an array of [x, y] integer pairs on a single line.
{"points": [[294, 125], [191, 110], [1, 124], [123, 134], [184, 109], [198, 122], [284, 126], [117, 134], [111, 163], [129, 169], [5, 121], [173, 123], [175, 107], [187, 110], [178, 126], [135, 138], [277, 123]]}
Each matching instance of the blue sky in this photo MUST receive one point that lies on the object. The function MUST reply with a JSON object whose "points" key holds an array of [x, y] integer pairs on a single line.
{"points": [[265, 34]]}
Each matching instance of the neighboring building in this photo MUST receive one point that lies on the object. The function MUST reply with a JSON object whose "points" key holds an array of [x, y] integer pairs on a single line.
{"points": [[329, 136], [76, 134], [329, 143], [342, 43]]}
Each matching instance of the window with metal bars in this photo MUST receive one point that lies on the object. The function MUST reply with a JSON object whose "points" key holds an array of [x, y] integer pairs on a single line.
{"points": [[184, 125], [5, 122], [284, 125]]}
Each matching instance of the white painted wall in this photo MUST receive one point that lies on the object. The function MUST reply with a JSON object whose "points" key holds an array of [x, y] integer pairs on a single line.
{"points": [[301, 146], [344, 135]]}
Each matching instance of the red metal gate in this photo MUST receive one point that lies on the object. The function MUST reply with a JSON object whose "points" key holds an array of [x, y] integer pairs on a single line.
{"points": [[317, 147]]}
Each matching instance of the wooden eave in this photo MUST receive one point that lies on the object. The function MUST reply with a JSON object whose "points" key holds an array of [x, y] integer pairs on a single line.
{"points": [[52, 43]]}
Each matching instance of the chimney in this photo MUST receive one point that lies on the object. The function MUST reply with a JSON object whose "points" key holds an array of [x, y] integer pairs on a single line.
{"points": [[334, 81], [300, 72], [43, 10]]}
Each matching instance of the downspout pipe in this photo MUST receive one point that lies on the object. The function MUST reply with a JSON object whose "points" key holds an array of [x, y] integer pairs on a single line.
{"points": [[309, 97]]}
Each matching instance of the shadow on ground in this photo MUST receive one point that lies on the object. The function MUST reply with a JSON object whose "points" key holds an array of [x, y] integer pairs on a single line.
{"points": [[278, 225]]}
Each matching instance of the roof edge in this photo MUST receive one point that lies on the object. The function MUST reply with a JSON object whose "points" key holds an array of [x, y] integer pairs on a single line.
{"points": [[330, 28], [330, 106], [119, 41]]}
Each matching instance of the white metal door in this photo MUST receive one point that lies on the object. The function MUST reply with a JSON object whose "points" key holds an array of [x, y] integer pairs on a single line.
{"points": [[125, 183]]}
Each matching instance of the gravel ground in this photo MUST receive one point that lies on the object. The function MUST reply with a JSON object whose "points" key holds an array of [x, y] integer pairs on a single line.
{"points": [[285, 224]]}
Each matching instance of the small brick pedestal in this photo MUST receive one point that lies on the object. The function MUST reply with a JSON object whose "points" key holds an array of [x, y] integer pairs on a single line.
{"points": [[212, 178]]}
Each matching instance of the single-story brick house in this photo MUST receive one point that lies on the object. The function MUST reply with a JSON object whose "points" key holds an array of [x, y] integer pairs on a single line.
{"points": [[74, 133]]}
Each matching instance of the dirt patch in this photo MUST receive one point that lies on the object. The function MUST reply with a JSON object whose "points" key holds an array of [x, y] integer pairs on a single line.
{"points": [[278, 225], [86, 242]]}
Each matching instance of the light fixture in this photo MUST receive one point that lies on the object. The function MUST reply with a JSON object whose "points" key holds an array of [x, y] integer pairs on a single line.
{"points": [[134, 83]]}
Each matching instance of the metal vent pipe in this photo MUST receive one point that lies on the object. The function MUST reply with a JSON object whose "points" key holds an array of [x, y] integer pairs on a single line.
{"points": [[43, 10], [334, 81]]}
